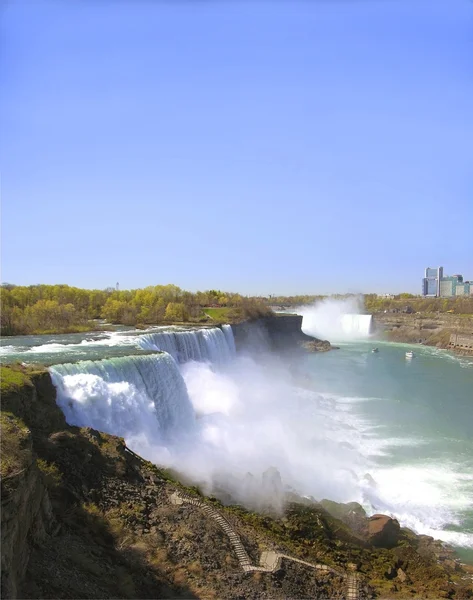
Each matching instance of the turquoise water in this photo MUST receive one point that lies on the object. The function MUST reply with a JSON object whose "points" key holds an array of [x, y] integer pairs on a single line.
{"points": [[418, 420], [71, 347], [351, 425]]}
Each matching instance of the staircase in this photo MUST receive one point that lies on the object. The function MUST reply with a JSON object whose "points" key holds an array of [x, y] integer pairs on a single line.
{"points": [[270, 561]]}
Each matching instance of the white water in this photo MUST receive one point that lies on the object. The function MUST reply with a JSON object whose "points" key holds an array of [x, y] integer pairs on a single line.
{"points": [[228, 421], [204, 344], [424, 498], [336, 320], [141, 398], [213, 345]]}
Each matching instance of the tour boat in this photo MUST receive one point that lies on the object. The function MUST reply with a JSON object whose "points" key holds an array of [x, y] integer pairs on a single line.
{"points": [[409, 354], [375, 350]]}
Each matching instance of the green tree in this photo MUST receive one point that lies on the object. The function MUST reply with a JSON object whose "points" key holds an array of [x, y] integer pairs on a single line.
{"points": [[175, 311]]}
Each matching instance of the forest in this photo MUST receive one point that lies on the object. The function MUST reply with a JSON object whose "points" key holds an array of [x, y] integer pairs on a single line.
{"points": [[40, 309]]}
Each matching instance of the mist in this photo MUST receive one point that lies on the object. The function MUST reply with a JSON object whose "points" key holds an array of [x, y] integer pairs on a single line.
{"points": [[258, 435], [336, 320]]}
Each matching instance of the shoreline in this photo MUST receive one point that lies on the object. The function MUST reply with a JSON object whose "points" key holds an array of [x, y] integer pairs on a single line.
{"points": [[444, 331]]}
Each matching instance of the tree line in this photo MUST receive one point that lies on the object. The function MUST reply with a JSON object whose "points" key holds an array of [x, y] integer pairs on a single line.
{"points": [[421, 304], [63, 308]]}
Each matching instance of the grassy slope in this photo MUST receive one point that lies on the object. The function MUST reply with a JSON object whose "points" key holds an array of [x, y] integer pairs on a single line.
{"points": [[218, 314], [12, 379]]}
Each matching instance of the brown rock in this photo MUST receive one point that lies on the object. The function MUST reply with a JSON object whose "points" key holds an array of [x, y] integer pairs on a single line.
{"points": [[401, 575], [451, 564], [318, 346], [383, 532]]}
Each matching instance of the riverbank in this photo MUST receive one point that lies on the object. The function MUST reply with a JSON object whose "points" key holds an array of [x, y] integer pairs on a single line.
{"points": [[425, 328]]}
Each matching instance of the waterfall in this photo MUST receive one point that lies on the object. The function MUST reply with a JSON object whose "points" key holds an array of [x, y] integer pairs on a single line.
{"points": [[355, 325], [134, 396], [336, 320], [227, 331], [214, 345]]}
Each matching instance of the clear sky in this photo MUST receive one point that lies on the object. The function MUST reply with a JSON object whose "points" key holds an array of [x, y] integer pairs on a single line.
{"points": [[262, 147]]}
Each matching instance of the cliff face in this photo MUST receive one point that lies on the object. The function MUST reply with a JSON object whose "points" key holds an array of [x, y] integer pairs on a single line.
{"points": [[424, 328], [282, 332], [26, 510], [26, 520]]}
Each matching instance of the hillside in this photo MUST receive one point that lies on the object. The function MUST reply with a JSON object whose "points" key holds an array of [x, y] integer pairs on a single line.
{"points": [[83, 517]]}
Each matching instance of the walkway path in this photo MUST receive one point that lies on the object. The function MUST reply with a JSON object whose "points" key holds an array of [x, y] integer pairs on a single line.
{"points": [[270, 561]]}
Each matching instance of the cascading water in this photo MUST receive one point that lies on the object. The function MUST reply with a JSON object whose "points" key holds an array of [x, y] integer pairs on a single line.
{"points": [[209, 344], [227, 421], [336, 320], [140, 398], [356, 325], [214, 345], [228, 333]]}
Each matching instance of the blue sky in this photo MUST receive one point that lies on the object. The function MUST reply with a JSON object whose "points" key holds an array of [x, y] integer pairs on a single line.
{"points": [[262, 147]]}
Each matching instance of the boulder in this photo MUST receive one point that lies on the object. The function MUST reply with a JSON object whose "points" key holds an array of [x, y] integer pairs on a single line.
{"points": [[383, 532], [401, 575], [318, 345]]}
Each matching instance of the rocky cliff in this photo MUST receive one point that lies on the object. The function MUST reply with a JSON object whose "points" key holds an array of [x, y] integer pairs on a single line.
{"points": [[282, 333], [432, 329], [84, 517], [26, 516]]}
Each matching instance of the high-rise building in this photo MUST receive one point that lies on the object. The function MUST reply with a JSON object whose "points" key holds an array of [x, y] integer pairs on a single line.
{"points": [[455, 286], [431, 281], [435, 284]]}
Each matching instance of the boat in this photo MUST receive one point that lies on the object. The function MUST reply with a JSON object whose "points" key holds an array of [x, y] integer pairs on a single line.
{"points": [[409, 354], [375, 350]]}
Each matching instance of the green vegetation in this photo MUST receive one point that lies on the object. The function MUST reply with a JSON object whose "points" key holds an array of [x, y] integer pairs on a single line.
{"points": [[14, 441], [220, 315], [419, 304], [249, 309], [399, 302], [12, 379], [52, 475], [295, 300], [64, 309], [176, 311]]}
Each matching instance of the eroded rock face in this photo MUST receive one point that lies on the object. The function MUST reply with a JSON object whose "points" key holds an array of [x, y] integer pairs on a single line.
{"points": [[383, 531], [26, 519]]}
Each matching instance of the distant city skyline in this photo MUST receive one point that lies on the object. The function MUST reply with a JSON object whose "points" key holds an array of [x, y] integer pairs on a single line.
{"points": [[437, 283], [260, 147]]}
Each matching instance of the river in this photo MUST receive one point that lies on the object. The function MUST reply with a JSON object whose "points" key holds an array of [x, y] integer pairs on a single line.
{"points": [[391, 433]]}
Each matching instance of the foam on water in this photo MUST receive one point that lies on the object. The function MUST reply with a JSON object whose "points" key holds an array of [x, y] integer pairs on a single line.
{"points": [[215, 345], [227, 421], [336, 320], [426, 498], [211, 344], [140, 398]]}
